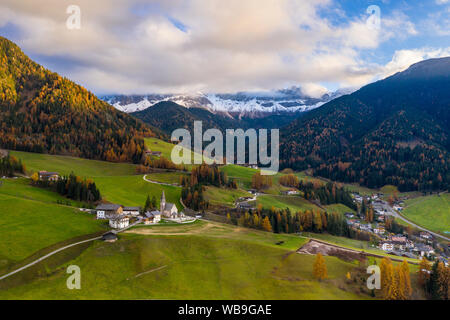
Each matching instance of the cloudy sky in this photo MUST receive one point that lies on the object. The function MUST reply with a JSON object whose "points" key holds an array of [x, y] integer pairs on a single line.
{"points": [[186, 46]]}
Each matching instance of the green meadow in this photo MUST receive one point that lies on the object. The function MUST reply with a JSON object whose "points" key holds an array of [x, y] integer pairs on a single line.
{"points": [[294, 203], [65, 165], [31, 221], [224, 197], [431, 212], [133, 190], [166, 177], [338, 208], [223, 263]]}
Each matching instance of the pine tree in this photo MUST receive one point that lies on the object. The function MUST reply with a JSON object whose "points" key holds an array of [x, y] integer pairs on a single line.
{"points": [[148, 203]]}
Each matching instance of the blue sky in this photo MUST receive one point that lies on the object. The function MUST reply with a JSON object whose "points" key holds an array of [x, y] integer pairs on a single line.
{"points": [[181, 46]]}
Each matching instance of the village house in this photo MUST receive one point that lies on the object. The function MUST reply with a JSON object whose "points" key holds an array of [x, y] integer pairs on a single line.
{"points": [[119, 222], [153, 153], [132, 211], [426, 235], [290, 192], [152, 217], [245, 206], [424, 250], [387, 246], [48, 176], [399, 242], [106, 210], [379, 230]]}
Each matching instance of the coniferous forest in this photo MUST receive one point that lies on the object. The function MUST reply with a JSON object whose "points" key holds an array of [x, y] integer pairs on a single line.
{"points": [[45, 113]]}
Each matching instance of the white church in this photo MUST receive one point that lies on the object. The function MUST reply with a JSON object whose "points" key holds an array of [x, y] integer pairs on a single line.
{"points": [[167, 209]]}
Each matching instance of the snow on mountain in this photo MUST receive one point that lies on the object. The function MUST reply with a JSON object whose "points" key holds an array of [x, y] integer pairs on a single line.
{"points": [[244, 103]]}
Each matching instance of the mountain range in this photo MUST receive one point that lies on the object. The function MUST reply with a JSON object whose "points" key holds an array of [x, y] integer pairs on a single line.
{"points": [[237, 105]]}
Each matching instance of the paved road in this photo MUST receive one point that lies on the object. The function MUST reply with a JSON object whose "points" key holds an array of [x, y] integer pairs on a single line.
{"points": [[161, 183], [391, 212]]}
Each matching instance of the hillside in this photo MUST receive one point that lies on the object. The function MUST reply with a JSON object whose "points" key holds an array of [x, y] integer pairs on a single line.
{"points": [[46, 113], [394, 131], [169, 116]]}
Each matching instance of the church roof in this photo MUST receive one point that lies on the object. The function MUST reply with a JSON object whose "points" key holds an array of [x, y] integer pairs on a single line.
{"points": [[169, 206]]}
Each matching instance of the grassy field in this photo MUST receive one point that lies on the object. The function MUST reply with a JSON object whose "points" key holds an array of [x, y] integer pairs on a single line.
{"points": [[339, 208], [116, 181], [243, 174], [166, 177], [224, 197], [155, 144], [133, 190], [29, 224], [65, 165], [294, 203], [431, 212], [210, 261], [21, 188]]}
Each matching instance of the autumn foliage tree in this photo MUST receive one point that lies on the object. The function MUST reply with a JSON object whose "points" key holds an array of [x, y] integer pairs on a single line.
{"points": [[320, 268]]}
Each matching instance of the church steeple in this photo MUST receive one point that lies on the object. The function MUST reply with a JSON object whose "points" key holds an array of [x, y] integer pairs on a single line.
{"points": [[162, 203]]}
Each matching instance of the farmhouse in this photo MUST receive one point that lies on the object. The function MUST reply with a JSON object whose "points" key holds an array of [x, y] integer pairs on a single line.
{"points": [[167, 209], [245, 206], [153, 153], [48, 176], [106, 210], [132, 211], [290, 192], [119, 222], [426, 235], [153, 217], [387, 246]]}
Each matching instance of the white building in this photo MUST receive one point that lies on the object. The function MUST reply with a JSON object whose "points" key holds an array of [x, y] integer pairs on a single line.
{"points": [[387, 246], [106, 210], [119, 222], [168, 210], [153, 217]]}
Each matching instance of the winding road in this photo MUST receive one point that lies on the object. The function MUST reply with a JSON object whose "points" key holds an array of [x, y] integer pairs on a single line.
{"points": [[160, 183], [391, 212]]}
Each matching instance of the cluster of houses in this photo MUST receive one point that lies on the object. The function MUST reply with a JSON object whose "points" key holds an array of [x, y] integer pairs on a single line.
{"points": [[119, 216], [401, 244]]}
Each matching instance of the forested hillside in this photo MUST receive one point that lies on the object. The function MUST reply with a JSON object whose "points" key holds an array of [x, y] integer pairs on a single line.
{"points": [[43, 112], [395, 131]]}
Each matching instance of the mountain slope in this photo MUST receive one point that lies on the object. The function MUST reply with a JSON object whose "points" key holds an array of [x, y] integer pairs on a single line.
{"points": [[394, 131], [169, 116], [41, 111]]}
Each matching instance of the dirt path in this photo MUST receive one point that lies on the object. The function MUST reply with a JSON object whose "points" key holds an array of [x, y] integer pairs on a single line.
{"points": [[149, 271], [157, 231]]}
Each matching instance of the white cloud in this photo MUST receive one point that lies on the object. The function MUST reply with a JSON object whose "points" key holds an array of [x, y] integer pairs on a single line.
{"points": [[402, 59], [231, 45]]}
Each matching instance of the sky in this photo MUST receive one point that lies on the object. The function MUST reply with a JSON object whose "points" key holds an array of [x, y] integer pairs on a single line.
{"points": [[217, 46]]}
